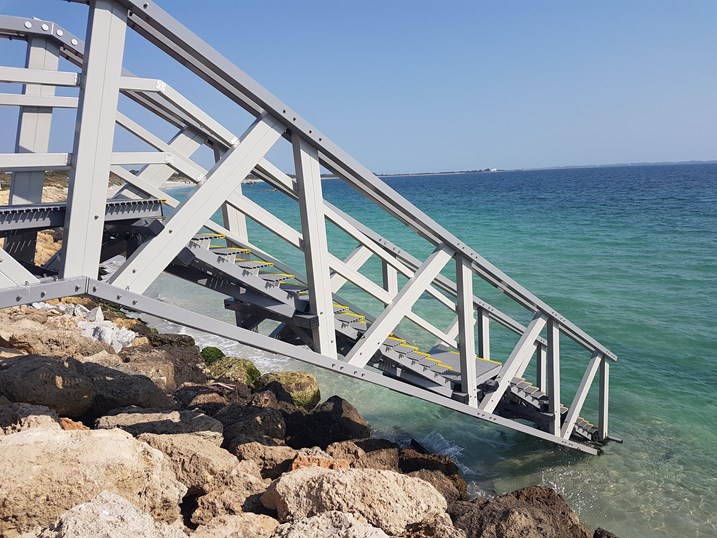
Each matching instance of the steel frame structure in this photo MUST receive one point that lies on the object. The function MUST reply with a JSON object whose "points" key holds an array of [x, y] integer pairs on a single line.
{"points": [[100, 83]]}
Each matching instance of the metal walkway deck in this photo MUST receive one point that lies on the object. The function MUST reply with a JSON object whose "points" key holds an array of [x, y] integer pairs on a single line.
{"points": [[301, 309]]}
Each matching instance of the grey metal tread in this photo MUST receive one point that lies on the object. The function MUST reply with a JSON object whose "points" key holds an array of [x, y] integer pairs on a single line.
{"points": [[15, 218]]}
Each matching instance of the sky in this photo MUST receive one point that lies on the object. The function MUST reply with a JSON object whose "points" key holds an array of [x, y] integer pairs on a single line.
{"points": [[412, 86]]}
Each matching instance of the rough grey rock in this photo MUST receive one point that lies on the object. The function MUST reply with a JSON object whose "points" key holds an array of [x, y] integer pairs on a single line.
{"points": [[17, 417], [111, 516], [437, 526], [367, 453], [240, 526], [331, 524], [385, 499], [332, 421], [532, 512], [272, 460], [244, 424], [240, 492], [302, 387], [198, 464], [60, 385], [47, 472], [116, 389], [441, 482], [136, 421]]}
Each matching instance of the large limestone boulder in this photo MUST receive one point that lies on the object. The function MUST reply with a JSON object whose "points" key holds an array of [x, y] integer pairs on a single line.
{"points": [[108, 515], [17, 417], [207, 399], [240, 492], [436, 526], [411, 460], [301, 387], [272, 460], [245, 424], [240, 526], [60, 385], [331, 524], [444, 485], [235, 370], [385, 499], [168, 367], [198, 464], [136, 421], [47, 472], [35, 338], [332, 421], [115, 389], [532, 512], [367, 453]]}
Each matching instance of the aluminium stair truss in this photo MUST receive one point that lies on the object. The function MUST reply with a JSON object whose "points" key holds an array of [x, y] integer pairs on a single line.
{"points": [[303, 308]]}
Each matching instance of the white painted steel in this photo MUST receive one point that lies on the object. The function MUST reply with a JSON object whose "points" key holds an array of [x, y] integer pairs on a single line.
{"points": [[541, 368], [37, 101], [89, 174], [387, 321], [354, 261], [604, 402], [553, 360], [34, 161], [483, 333], [145, 265], [141, 157], [42, 74], [466, 330], [12, 273], [517, 360], [33, 137], [582, 393], [315, 245]]}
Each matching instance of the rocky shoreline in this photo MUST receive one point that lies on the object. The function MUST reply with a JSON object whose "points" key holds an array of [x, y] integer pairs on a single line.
{"points": [[110, 429]]}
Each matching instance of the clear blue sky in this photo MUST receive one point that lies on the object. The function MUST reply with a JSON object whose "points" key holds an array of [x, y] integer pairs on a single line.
{"points": [[427, 86]]}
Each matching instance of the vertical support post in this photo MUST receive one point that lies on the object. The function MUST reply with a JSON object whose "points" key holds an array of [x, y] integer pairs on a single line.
{"points": [[96, 113], [604, 399], [234, 220], [541, 371], [466, 329], [316, 249], [553, 359], [33, 136], [390, 279], [483, 334]]}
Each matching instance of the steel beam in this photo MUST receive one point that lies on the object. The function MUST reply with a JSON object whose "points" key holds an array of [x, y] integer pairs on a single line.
{"points": [[12, 273], [517, 360], [604, 400], [466, 330], [89, 174], [33, 136], [41, 74], [354, 261], [541, 368], [553, 359], [316, 246], [582, 393], [380, 329], [147, 262], [483, 333]]}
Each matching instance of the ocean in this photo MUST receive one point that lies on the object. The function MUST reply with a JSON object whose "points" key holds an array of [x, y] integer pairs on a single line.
{"points": [[629, 254]]}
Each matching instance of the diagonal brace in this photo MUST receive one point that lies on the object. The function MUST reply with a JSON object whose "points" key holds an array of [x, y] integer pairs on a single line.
{"points": [[145, 265], [397, 310], [518, 358]]}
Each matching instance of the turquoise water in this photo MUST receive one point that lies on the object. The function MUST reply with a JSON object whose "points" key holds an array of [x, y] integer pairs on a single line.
{"points": [[627, 253]]}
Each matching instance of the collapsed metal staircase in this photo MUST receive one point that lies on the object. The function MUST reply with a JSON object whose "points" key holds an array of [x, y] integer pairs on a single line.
{"points": [[306, 316]]}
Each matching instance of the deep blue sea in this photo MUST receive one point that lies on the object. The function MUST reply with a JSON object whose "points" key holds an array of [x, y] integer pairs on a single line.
{"points": [[627, 253]]}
